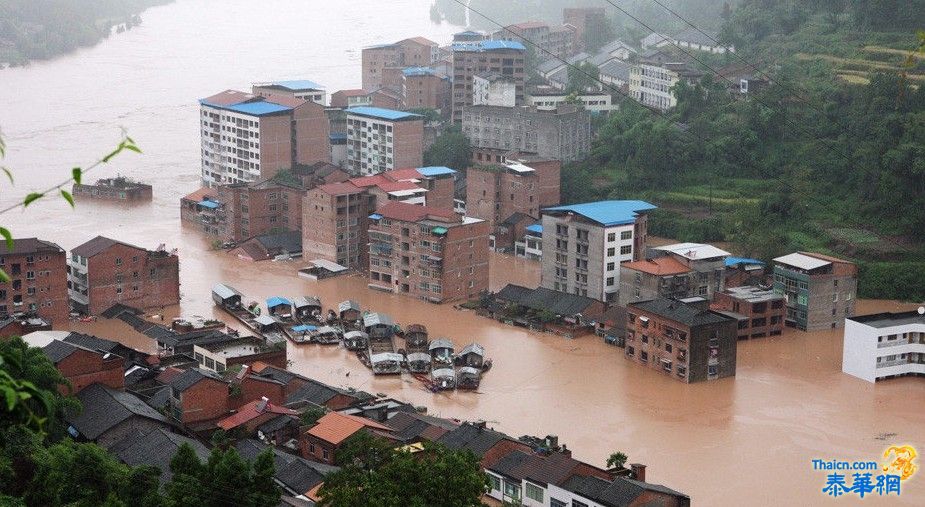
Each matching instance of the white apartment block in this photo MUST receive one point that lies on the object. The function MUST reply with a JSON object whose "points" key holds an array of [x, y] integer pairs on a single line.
{"points": [[230, 147], [651, 84], [584, 245], [381, 140], [884, 345], [594, 102]]}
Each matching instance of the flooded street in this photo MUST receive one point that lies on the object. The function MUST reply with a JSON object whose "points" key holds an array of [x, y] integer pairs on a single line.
{"points": [[747, 440]]}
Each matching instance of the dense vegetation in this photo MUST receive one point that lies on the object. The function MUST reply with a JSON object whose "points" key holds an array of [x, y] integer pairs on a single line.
{"points": [[41, 466], [39, 29], [830, 157]]}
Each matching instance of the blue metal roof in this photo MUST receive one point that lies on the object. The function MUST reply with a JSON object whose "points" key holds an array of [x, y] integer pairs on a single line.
{"points": [[385, 114], [257, 108], [302, 328], [299, 84], [418, 71], [375, 216], [607, 213], [209, 204], [735, 261], [278, 301], [437, 170], [535, 228], [487, 45]]}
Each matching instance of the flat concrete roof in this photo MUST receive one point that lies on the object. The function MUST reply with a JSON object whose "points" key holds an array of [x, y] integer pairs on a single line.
{"points": [[881, 320]]}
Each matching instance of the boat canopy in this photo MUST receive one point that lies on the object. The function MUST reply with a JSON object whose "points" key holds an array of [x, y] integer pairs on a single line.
{"points": [[356, 335], [444, 372], [302, 302], [473, 348], [304, 328], [275, 301], [377, 319], [468, 370], [224, 291], [350, 304], [386, 356], [441, 343], [327, 330], [418, 356], [416, 328], [265, 320]]}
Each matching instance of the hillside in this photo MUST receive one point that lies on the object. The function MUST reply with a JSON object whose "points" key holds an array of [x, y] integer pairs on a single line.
{"points": [[41, 29]]}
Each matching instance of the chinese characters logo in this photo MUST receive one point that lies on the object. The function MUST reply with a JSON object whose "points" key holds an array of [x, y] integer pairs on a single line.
{"points": [[865, 479]]}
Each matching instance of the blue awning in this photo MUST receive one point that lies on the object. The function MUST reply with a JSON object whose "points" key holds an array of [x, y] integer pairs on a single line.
{"points": [[278, 301], [535, 228], [303, 328], [375, 216], [209, 204], [735, 261]]}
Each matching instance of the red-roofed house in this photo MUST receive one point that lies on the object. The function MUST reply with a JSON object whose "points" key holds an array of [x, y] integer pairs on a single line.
{"points": [[322, 440], [428, 253], [254, 414]]}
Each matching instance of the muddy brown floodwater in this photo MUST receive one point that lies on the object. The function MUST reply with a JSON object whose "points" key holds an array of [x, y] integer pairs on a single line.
{"points": [[750, 437]]}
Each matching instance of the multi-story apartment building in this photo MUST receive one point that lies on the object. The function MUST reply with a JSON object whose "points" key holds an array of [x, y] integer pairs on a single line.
{"points": [[706, 264], [119, 189], [654, 75], [335, 216], [427, 253], [493, 89], [689, 38], [648, 279], [38, 280], [684, 340], [582, 18], [382, 139], [584, 245], [473, 58], [413, 52], [103, 272], [263, 207], [350, 98], [495, 192], [563, 134], [759, 311], [819, 290], [424, 87], [885, 345], [246, 137], [550, 41], [301, 89], [550, 99], [334, 224]]}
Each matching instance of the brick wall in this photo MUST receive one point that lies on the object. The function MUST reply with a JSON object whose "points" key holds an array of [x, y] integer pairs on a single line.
{"points": [[312, 134], [133, 276], [45, 275], [203, 401], [275, 144], [84, 367], [408, 144]]}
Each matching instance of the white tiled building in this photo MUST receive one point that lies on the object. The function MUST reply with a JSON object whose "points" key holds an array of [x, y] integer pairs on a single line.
{"points": [[884, 345], [382, 139]]}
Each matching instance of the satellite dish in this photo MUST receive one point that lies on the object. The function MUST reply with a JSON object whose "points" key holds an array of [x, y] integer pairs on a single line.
{"points": [[922, 310]]}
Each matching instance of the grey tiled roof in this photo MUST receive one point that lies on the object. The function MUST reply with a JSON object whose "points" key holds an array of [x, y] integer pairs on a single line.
{"points": [[104, 408], [156, 448], [677, 311]]}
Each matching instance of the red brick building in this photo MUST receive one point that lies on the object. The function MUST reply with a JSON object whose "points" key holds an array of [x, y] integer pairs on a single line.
{"points": [[471, 58], [423, 87], [38, 280], [103, 272], [683, 340], [759, 312], [377, 61], [495, 192], [428, 253], [197, 396], [321, 441], [581, 18], [349, 98], [263, 207], [83, 367]]}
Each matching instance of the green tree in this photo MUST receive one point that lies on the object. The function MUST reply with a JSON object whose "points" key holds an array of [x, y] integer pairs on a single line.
{"points": [[582, 78], [616, 460], [311, 416], [451, 149]]}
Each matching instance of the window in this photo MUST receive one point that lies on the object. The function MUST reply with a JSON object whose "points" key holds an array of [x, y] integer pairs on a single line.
{"points": [[610, 281], [118, 261], [612, 237], [626, 249], [534, 492], [711, 369], [555, 502], [511, 489], [611, 252], [576, 503], [495, 482], [611, 266], [324, 454], [625, 235]]}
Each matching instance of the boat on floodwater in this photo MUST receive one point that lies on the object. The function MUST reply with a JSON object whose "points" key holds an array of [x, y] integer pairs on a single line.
{"points": [[326, 335], [441, 353], [350, 315], [356, 340], [468, 377], [301, 333], [307, 309], [416, 349], [443, 379], [382, 356], [230, 300]]}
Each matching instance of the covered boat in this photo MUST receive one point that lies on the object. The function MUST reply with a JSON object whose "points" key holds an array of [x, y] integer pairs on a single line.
{"points": [[443, 378], [441, 352], [326, 335], [418, 362], [356, 340], [471, 355], [269, 328], [349, 310], [416, 338], [301, 333], [468, 377], [279, 307], [386, 363], [378, 326], [226, 296], [307, 308]]}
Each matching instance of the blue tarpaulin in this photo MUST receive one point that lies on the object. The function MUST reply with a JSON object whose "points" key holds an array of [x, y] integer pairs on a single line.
{"points": [[209, 204], [735, 261], [278, 301], [304, 328]]}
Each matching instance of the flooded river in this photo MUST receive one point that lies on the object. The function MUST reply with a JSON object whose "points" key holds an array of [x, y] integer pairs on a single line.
{"points": [[742, 441]]}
